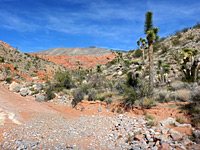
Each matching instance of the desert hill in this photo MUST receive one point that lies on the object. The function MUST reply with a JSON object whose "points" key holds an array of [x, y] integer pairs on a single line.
{"points": [[94, 51], [24, 66], [70, 57]]}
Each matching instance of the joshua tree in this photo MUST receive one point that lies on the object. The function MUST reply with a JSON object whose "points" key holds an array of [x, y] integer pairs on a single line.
{"points": [[151, 33], [190, 64], [142, 47]]}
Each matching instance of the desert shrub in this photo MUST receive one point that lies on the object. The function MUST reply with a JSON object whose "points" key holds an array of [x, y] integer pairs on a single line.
{"points": [[134, 90], [177, 85], [103, 96], [125, 70], [63, 80], [156, 46], [86, 87], [78, 96], [138, 53], [148, 102], [185, 30], [164, 48], [183, 95], [91, 95], [197, 26], [194, 110], [127, 62], [190, 37], [49, 94], [178, 34], [198, 39], [152, 123], [9, 80], [176, 42], [151, 120], [139, 68], [130, 96], [195, 94], [119, 110], [166, 68], [2, 59], [149, 117], [162, 96], [110, 63], [16, 67], [99, 68], [179, 120]]}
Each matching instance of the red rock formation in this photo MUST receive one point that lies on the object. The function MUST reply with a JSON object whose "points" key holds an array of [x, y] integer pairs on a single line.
{"points": [[71, 61]]}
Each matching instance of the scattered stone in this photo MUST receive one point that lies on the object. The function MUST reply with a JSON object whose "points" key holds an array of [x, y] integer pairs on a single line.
{"points": [[15, 87], [176, 136], [25, 92], [168, 121], [40, 98], [164, 146]]}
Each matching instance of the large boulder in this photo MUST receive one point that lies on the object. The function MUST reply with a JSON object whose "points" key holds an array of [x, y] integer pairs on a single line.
{"points": [[38, 86], [168, 121], [25, 92], [40, 98], [15, 87]]}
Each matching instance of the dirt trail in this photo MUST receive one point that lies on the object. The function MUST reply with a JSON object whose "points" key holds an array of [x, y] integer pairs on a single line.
{"points": [[16, 109]]}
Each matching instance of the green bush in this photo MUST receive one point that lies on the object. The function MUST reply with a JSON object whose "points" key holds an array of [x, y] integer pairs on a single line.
{"points": [[99, 68], [49, 94], [103, 96], [152, 123], [176, 42], [86, 87], [9, 80], [63, 80], [165, 48], [148, 102], [138, 53], [91, 95], [78, 96], [2, 59]]}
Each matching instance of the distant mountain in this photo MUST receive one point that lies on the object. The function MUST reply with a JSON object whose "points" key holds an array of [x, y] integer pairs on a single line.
{"points": [[93, 51]]}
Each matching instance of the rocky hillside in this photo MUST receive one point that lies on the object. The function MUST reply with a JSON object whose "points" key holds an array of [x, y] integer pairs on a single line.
{"points": [[73, 62], [90, 51], [21, 65]]}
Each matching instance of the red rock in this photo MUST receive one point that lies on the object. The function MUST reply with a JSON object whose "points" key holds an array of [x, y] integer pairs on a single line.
{"points": [[164, 146], [70, 62], [139, 137], [186, 142], [176, 136]]}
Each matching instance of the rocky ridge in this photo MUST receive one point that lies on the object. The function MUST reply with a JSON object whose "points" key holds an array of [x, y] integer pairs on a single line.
{"points": [[90, 51]]}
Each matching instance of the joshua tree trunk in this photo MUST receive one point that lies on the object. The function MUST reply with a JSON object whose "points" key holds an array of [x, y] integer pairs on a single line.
{"points": [[150, 66], [143, 57]]}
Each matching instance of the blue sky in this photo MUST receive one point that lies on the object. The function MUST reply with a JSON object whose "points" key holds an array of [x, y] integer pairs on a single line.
{"points": [[33, 25]]}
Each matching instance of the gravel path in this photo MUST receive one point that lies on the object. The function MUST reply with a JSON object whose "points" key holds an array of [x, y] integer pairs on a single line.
{"points": [[56, 132], [51, 131]]}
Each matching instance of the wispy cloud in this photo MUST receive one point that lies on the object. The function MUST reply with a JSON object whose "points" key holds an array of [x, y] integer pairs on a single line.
{"points": [[113, 20], [15, 22]]}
